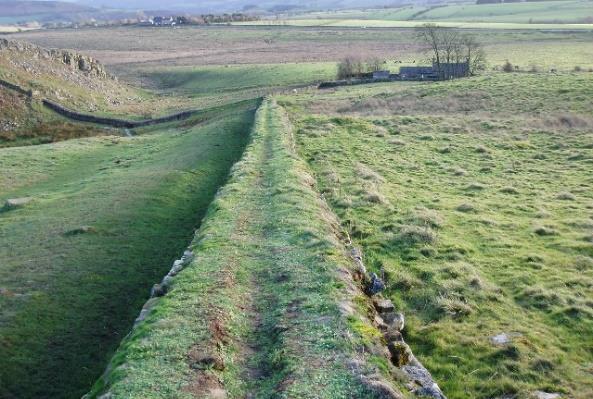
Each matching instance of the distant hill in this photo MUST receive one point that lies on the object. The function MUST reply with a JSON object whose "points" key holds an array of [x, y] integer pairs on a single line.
{"points": [[13, 8], [213, 6]]}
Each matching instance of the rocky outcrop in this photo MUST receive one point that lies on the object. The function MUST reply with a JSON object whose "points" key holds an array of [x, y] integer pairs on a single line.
{"points": [[75, 61]]}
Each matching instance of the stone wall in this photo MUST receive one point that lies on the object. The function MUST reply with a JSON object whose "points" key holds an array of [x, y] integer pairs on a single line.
{"points": [[114, 122]]}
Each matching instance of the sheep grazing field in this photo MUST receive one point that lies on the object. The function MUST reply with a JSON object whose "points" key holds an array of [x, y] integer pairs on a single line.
{"points": [[384, 240]]}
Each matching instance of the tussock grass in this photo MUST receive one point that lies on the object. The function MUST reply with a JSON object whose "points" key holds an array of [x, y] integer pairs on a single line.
{"points": [[509, 190], [476, 187], [487, 272], [425, 217], [545, 231], [566, 196], [466, 208], [411, 234]]}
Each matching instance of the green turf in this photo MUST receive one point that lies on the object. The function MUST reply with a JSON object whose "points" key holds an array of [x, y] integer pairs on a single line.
{"points": [[535, 12], [68, 299], [475, 198], [381, 23], [262, 294], [225, 79]]}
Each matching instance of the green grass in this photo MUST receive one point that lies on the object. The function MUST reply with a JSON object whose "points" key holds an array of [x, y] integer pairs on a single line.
{"points": [[380, 23], [542, 12], [67, 300], [221, 80], [261, 295], [475, 198]]}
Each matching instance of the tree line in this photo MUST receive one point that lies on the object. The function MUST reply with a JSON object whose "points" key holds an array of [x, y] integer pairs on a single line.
{"points": [[443, 47]]}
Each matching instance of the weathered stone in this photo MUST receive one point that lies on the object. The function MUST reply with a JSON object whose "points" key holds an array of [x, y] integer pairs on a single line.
{"points": [[177, 267], [432, 391], [378, 350], [380, 323], [84, 65], [393, 335], [394, 320], [546, 395], [381, 388], [400, 353], [15, 203], [503, 338], [145, 311], [376, 285], [158, 290], [383, 305]]}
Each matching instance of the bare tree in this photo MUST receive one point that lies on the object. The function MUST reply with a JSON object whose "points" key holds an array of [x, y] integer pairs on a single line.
{"points": [[449, 50], [346, 68], [429, 35], [375, 64], [474, 54]]}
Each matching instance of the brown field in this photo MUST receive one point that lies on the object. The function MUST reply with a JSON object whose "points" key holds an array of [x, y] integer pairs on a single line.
{"points": [[124, 48]]}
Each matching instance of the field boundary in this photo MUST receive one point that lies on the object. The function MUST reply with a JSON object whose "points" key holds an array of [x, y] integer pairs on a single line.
{"points": [[115, 122], [100, 120]]}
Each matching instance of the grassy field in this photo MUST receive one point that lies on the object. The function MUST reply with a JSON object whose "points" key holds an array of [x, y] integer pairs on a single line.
{"points": [[542, 12], [270, 324], [108, 216], [252, 79], [384, 23], [213, 57], [474, 200], [471, 198]]}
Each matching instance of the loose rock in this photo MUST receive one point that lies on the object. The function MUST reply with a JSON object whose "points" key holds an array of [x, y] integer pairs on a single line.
{"points": [[503, 338], [384, 305], [400, 353], [15, 203], [376, 285], [546, 395]]}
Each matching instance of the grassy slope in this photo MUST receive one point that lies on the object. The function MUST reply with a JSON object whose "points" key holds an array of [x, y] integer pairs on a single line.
{"points": [[522, 13], [381, 23], [68, 300], [223, 79], [262, 293], [475, 197]]}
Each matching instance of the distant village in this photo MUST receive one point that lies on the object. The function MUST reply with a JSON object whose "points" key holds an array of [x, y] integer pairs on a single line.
{"points": [[158, 21], [196, 20]]}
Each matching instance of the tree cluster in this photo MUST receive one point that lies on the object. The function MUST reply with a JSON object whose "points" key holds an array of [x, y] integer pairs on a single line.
{"points": [[449, 46], [356, 67]]}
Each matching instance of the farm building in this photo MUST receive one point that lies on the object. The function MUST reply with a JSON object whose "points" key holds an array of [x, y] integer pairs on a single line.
{"points": [[417, 72], [381, 75], [442, 71], [453, 70]]}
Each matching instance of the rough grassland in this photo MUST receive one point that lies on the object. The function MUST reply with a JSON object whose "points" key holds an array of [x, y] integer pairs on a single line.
{"points": [[107, 218], [475, 199], [130, 52], [256, 314], [557, 12]]}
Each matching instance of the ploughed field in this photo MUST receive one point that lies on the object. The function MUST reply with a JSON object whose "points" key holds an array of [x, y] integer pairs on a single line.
{"points": [[106, 216], [474, 199]]}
